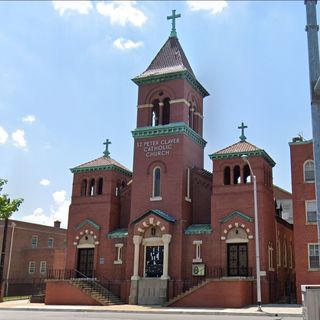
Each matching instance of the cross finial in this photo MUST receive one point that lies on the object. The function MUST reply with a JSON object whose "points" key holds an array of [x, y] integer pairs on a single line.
{"points": [[173, 17], [106, 152], [242, 127]]}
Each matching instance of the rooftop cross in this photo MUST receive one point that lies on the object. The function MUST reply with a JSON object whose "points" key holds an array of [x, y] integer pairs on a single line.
{"points": [[106, 152], [173, 17], [242, 127]]}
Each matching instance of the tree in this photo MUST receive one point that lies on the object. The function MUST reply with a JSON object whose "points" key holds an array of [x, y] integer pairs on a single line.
{"points": [[7, 208]]}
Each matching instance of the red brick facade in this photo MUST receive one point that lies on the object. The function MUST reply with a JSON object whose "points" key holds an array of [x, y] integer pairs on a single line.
{"points": [[305, 232], [169, 225]]}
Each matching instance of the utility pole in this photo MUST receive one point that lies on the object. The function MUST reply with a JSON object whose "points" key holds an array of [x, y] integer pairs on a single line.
{"points": [[312, 29]]}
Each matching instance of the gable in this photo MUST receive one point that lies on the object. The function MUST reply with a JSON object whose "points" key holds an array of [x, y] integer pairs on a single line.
{"points": [[87, 222], [156, 212], [236, 214]]}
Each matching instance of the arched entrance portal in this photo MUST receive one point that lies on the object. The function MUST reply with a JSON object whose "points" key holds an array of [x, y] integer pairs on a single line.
{"points": [[237, 253], [85, 257]]}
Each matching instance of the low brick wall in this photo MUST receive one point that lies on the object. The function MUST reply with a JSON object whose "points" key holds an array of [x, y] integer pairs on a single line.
{"points": [[219, 293], [62, 292]]}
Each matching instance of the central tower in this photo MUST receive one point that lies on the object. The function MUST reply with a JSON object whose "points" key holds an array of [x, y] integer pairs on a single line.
{"points": [[168, 144]]}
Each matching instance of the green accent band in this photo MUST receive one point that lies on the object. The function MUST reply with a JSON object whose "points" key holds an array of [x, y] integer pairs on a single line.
{"points": [[198, 229], [89, 222], [118, 234], [172, 76], [236, 214], [168, 129], [106, 168], [256, 153]]}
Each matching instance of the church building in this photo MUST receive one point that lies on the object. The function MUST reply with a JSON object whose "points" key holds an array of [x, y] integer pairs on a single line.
{"points": [[170, 232]]}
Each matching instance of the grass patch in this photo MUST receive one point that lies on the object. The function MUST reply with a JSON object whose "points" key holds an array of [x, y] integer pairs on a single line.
{"points": [[14, 298]]}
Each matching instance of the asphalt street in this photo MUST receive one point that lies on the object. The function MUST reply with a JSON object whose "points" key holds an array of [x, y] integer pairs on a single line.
{"points": [[57, 315]]}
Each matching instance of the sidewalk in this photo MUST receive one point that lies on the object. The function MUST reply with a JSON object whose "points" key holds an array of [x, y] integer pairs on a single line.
{"points": [[271, 309]]}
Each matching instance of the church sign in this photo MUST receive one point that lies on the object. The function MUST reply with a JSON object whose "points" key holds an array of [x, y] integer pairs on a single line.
{"points": [[155, 148]]}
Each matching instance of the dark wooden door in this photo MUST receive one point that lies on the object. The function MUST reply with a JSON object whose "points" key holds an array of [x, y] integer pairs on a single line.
{"points": [[85, 262], [154, 261], [238, 260]]}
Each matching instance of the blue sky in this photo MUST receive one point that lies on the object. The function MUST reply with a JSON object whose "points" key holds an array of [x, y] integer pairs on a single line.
{"points": [[65, 85]]}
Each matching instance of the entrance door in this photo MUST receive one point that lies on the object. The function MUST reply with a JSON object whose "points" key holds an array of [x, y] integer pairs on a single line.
{"points": [[85, 262], [238, 260], [154, 262]]}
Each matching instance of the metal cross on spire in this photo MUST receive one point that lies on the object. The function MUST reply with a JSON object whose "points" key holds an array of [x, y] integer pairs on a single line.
{"points": [[173, 17], [106, 152], [242, 127]]}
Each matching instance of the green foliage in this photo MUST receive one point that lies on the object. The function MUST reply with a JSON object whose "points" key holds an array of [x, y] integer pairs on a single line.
{"points": [[7, 206]]}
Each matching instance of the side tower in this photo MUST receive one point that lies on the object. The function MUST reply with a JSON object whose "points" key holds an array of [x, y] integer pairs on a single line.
{"points": [[94, 213], [232, 210], [168, 143]]}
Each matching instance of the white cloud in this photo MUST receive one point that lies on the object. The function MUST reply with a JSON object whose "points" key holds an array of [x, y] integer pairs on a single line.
{"points": [[214, 7], [3, 135], [44, 182], [58, 211], [19, 140], [29, 119], [124, 44], [38, 216], [122, 12], [81, 7]]}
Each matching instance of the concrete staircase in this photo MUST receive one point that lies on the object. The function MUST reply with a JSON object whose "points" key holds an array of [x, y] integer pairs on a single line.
{"points": [[96, 291], [185, 293]]}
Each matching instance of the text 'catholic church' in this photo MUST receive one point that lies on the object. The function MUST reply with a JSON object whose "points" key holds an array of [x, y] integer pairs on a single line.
{"points": [[170, 232]]}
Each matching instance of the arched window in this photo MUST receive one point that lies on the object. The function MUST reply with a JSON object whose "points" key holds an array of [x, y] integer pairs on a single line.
{"points": [[191, 117], [226, 176], [195, 119], [236, 175], [308, 169], [100, 186], [83, 191], [156, 192], [155, 116], [166, 111], [92, 187], [246, 174]]}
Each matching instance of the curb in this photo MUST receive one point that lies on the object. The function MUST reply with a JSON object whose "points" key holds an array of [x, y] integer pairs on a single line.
{"points": [[227, 313]]}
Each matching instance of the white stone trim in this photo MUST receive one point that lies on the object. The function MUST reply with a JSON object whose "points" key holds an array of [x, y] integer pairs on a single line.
{"points": [[187, 103], [85, 246], [141, 106], [119, 247], [198, 114], [237, 240]]}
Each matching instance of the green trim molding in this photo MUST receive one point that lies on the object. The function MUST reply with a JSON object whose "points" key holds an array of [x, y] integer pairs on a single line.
{"points": [[157, 212], [255, 153], [118, 233], [185, 74], [168, 129], [198, 229], [88, 222], [236, 214], [109, 167]]}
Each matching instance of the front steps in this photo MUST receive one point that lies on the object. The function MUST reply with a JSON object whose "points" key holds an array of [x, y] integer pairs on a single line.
{"points": [[96, 291]]}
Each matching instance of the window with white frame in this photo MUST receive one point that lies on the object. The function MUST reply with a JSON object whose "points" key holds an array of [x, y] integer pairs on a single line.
{"points": [[43, 267], [278, 254], [50, 243], [308, 170], [313, 252], [188, 185], [270, 256], [197, 244], [119, 248], [156, 184], [34, 241], [32, 267], [311, 211], [285, 254]]}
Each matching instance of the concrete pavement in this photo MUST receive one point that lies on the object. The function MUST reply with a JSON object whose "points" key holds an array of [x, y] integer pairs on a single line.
{"points": [[272, 310]]}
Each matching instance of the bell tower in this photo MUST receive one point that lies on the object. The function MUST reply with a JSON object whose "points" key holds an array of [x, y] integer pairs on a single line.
{"points": [[168, 140]]}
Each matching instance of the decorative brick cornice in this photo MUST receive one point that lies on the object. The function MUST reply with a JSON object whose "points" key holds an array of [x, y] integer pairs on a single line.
{"points": [[105, 168], [172, 76], [255, 153], [168, 129]]}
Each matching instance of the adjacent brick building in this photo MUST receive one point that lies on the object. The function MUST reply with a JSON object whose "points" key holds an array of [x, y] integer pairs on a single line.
{"points": [[169, 225], [304, 213], [31, 249]]}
